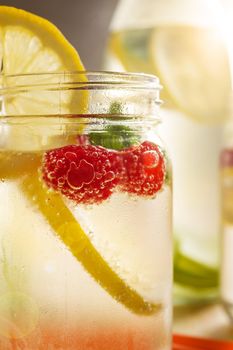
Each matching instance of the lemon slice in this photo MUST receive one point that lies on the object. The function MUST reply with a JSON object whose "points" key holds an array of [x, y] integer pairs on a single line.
{"points": [[31, 44], [130, 48], [193, 67], [72, 235]]}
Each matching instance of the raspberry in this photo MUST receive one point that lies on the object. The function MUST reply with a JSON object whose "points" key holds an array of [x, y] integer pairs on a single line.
{"points": [[85, 174], [144, 169]]}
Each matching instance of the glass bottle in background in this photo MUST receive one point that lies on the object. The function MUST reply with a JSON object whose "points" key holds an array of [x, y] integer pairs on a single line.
{"points": [[226, 163], [180, 42]]}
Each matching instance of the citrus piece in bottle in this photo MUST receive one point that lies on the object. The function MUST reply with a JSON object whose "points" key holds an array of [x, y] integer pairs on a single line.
{"points": [[130, 48], [192, 64]]}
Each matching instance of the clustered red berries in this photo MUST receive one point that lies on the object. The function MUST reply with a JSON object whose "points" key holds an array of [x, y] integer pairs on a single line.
{"points": [[89, 174], [143, 169], [85, 174]]}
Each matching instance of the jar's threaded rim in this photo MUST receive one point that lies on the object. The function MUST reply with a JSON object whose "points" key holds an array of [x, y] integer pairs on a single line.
{"points": [[79, 79], [79, 93]]}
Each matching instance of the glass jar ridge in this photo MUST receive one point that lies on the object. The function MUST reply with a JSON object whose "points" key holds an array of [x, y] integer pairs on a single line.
{"points": [[76, 93]]}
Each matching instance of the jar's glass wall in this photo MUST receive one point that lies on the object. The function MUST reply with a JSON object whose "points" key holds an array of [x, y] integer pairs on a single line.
{"points": [[86, 253]]}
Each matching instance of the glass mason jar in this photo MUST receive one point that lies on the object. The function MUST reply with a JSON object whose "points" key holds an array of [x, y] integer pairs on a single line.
{"points": [[86, 246], [181, 42]]}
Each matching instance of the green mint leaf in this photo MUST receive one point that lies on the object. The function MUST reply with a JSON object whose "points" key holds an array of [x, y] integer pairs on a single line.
{"points": [[117, 136], [115, 108]]}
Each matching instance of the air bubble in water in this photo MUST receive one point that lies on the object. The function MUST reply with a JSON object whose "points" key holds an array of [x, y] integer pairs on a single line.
{"points": [[150, 159], [110, 176]]}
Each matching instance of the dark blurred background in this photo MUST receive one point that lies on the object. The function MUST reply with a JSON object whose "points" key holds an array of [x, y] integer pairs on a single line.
{"points": [[85, 23]]}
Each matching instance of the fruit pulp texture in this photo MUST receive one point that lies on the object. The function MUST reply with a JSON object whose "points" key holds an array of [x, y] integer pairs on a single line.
{"points": [[190, 143], [47, 298]]}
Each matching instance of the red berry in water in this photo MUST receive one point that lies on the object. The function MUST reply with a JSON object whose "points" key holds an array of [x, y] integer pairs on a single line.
{"points": [[85, 174], [144, 169]]}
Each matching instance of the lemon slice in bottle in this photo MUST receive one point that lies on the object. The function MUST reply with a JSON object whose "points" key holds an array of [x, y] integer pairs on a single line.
{"points": [[193, 67], [130, 48], [41, 47]]}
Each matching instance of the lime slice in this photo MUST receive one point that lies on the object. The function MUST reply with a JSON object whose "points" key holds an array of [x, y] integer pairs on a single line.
{"points": [[72, 235], [193, 67], [188, 272], [31, 44]]}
